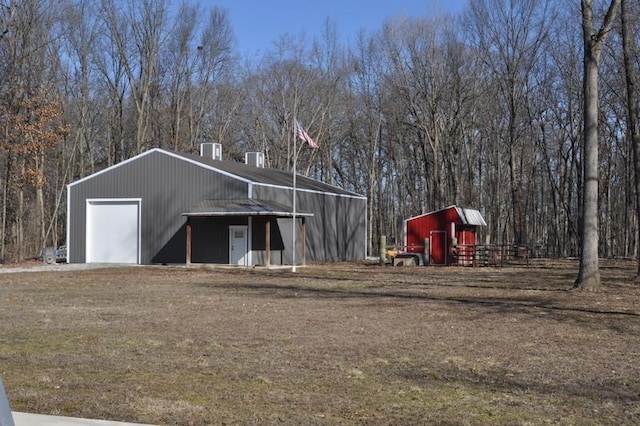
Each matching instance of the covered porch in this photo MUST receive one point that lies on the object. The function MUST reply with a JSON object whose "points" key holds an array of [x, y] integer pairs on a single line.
{"points": [[252, 230]]}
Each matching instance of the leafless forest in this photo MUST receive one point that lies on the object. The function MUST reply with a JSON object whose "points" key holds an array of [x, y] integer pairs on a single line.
{"points": [[483, 109]]}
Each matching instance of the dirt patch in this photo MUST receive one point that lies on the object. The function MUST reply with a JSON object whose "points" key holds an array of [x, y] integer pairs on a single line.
{"points": [[330, 344]]}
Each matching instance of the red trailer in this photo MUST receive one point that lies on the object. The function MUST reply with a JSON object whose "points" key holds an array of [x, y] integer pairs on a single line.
{"points": [[437, 234]]}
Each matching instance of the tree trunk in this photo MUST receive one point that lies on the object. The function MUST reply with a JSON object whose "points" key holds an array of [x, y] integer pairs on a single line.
{"points": [[589, 273], [5, 198], [20, 249], [628, 45], [40, 159]]}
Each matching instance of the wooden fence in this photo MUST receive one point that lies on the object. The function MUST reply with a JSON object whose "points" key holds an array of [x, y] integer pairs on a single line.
{"points": [[491, 255], [466, 254]]}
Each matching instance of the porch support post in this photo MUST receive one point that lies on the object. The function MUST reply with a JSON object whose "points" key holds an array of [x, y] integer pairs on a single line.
{"points": [[188, 248], [304, 240], [267, 242]]}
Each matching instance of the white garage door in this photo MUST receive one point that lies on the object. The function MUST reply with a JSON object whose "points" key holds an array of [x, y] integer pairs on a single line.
{"points": [[113, 231]]}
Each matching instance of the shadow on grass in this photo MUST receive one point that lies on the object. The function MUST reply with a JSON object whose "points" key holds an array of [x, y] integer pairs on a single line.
{"points": [[515, 280], [504, 304], [501, 380]]}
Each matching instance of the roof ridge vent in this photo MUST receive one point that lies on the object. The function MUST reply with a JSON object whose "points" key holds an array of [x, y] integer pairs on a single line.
{"points": [[254, 159], [211, 150]]}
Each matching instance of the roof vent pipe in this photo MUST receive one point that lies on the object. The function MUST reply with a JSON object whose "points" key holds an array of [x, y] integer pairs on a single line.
{"points": [[211, 150]]}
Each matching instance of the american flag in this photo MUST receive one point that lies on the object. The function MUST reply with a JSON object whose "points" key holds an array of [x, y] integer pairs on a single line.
{"points": [[305, 136]]}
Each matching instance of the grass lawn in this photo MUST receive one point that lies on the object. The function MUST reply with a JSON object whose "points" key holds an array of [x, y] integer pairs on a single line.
{"points": [[330, 344]]}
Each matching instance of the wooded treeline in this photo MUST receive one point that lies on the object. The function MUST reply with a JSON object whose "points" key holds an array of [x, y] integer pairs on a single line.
{"points": [[482, 110]]}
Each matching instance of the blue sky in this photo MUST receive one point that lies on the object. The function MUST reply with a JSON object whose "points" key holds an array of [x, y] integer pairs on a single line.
{"points": [[258, 23]]}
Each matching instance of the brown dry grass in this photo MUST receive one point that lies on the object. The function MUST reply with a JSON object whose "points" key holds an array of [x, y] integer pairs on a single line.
{"points": [[331, 344]]}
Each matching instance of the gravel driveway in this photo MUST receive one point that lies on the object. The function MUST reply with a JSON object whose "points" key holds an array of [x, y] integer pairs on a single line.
{"points": [[58, 267]]}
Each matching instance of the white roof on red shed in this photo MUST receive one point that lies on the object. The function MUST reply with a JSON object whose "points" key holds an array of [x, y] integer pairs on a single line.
{"points": [[471, 216]]}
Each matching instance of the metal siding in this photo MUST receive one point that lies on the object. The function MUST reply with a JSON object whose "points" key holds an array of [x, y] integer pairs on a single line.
{"points": [[206, 231], [456, 214], [167, 185], [337, 231], [420, 227], [438, 247], [258, 241]]}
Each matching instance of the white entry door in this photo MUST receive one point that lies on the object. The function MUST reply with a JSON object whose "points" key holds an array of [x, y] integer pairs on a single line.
{"points": [[113, 231], [238, 245]]}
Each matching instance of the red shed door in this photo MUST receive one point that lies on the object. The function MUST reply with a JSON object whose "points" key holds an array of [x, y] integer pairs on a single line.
{"points": [[467, 240], [466, 235], [438, 247]]}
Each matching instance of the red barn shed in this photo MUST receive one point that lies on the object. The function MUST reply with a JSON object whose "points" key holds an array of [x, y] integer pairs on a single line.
{"points": [[443, 229]]}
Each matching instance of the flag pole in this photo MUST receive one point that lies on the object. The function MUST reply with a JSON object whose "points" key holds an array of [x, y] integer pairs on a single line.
{"points": [[293, 225], [298, 131]]}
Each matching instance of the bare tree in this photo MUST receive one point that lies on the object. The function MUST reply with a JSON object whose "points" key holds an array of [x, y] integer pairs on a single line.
{"points": [[81, 29], [422, 114], [633, 116], [109, 58], [178, 66], [365, 133], [557, 115], [509, 36], [213, 67], [593, 39], [138, 34], [28, 95]]}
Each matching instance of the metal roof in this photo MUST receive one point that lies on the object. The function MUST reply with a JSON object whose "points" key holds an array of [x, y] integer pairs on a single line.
{"points": [[243, 172], [264, 175], [471, 217], [242, 207]]}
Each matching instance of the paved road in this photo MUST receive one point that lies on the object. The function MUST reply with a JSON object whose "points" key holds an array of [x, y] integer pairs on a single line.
{"points": [[59, 267], [27, 419]]}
